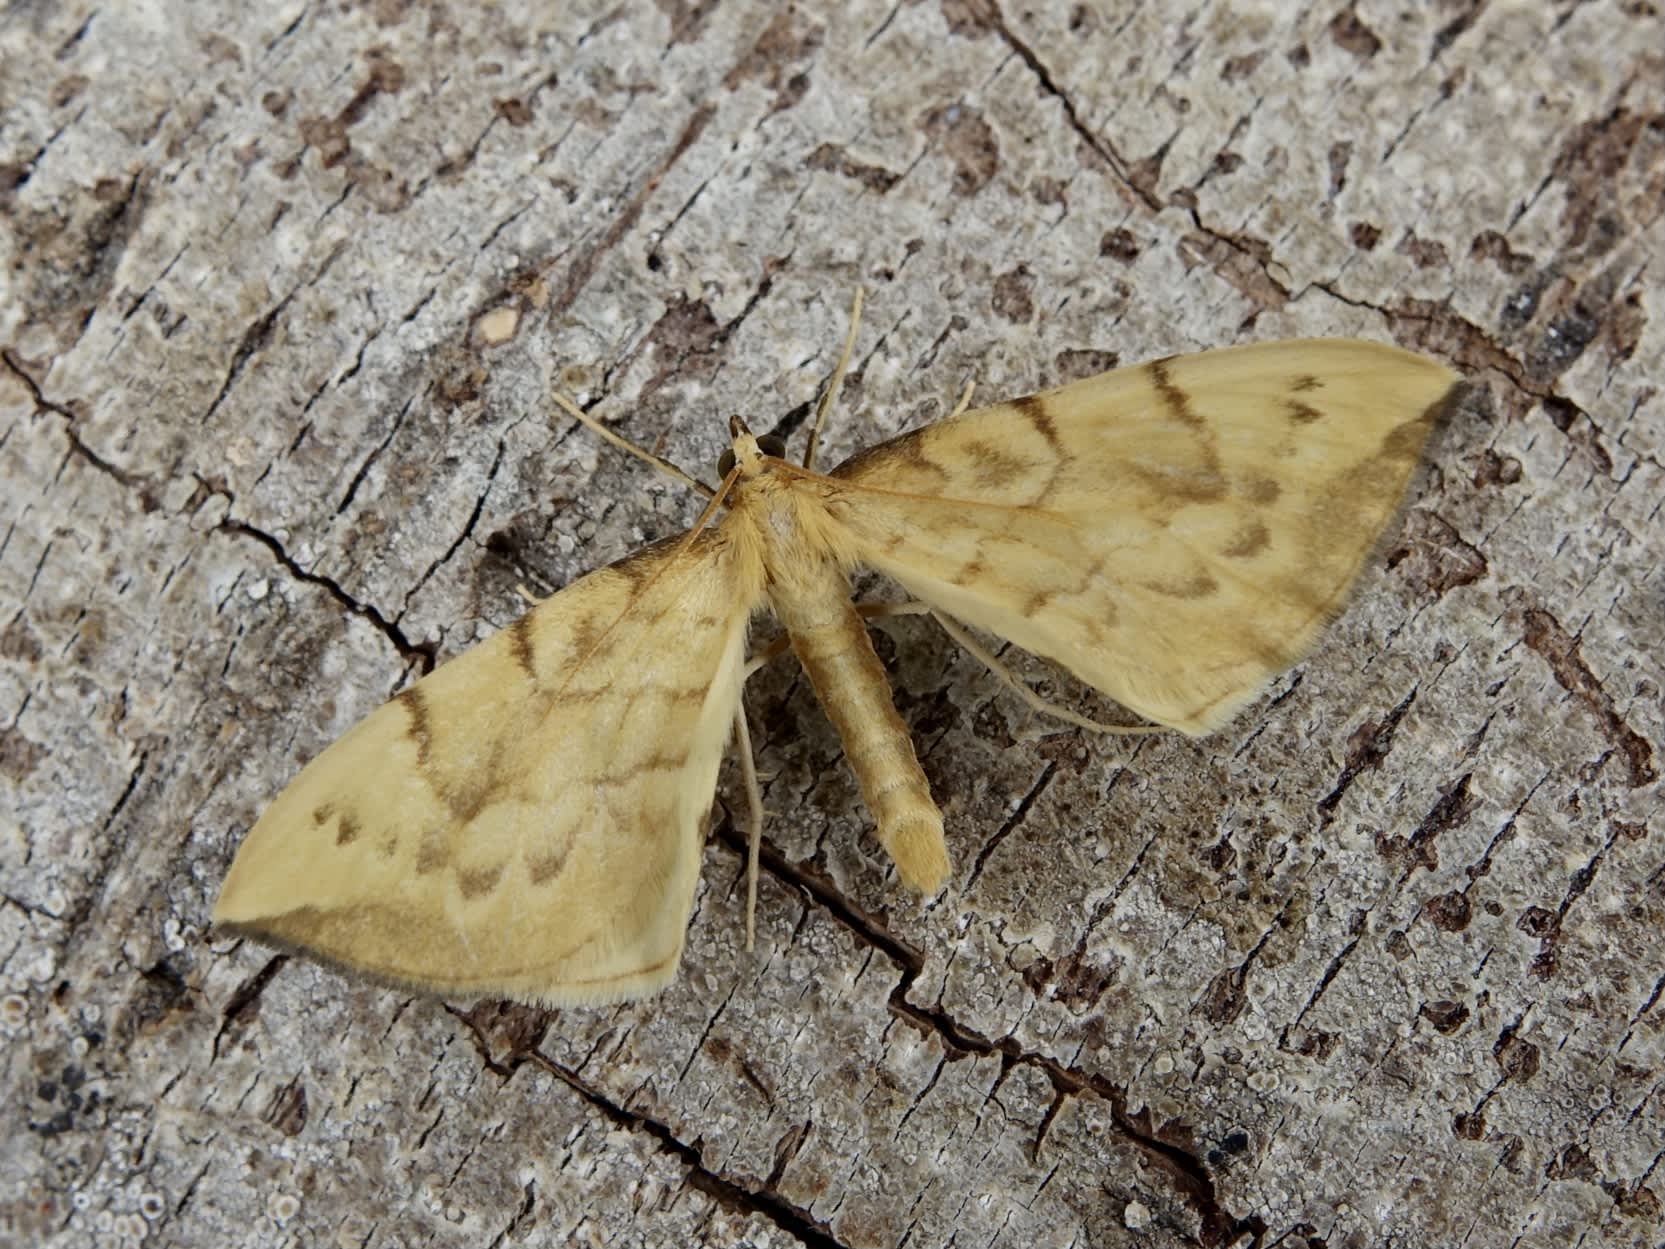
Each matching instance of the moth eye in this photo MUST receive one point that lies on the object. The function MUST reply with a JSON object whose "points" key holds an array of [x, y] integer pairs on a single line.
{"points": [[725, 465], [769, 444]]}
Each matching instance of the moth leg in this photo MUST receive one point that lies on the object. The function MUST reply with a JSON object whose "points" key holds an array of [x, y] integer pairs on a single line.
{"points": [[754, 801], [872, 611], [526, 596], [766, 656], [971, 646], [826, 403], [964, 403], [624, 444]]}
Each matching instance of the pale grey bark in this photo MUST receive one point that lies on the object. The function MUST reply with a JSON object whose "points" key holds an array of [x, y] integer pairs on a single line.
{"points": [[1379, 964]]}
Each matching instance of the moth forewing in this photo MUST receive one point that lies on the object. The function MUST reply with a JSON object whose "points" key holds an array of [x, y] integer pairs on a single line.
{"points": [[1173, 533], [527, 820]]}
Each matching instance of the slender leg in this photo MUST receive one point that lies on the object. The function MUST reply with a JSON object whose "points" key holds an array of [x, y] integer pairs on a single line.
{"points": [[754, 800], [1005, 675], [965, 401], [837, 380], [766, 656]]}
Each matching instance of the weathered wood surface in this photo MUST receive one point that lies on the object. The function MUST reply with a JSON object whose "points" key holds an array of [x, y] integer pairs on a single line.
{"points": [[1380, 964]]}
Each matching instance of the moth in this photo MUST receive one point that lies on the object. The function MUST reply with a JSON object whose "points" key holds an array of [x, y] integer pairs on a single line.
{"points": [[527, 821]]}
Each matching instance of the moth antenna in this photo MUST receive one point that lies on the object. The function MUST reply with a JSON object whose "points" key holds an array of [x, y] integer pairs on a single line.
{"points": [[754, 801], [624, 444], [843, 364]]}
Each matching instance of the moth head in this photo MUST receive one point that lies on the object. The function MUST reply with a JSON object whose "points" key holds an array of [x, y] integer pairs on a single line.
{"points": [[748, 451]]}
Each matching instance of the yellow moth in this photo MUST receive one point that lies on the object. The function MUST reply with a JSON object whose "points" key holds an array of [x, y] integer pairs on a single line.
{"points": [[527, 821]]}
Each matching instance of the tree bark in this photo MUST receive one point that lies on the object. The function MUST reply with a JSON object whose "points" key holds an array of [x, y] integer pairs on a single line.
{"points": [[285, 290]]}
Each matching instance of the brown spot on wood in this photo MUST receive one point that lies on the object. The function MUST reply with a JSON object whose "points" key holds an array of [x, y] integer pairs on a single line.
{"points": [[1421, 848], [1251, 539], [1445, 1015], [515, 112], [1317, 1044], [1424, 253], [831, 158], [1349, 32], [328, 137], [1367, 746], [1449, 912], [1545, 636], [1079, 983], [1011, 298], [286, 1111], [1120, 244], [1496, 470], [1492, 246], [1518, 1059], [688, 19], [1469, 1127], [788, 42], [1242, 260], [67, 89], [968, 141], [1434, 555], [1054, 191], [1364, 235], [19, 642], [1339, 156], [1074, 364], [1573, 1163], [1224, 999], [1621, 143], [476, 882]]}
